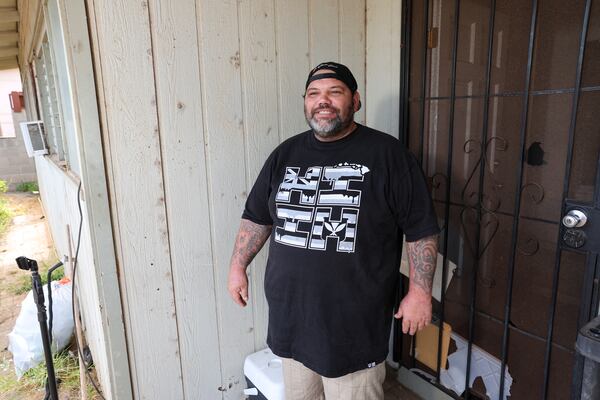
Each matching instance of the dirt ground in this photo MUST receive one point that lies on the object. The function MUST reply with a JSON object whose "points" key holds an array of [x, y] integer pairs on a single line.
{"points": [[27, 235]]}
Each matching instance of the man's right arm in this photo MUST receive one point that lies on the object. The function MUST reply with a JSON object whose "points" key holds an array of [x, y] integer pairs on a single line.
{"points": [[250, 239]]}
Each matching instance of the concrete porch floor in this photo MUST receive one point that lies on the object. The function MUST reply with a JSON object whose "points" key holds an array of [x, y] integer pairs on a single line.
{"points": [[393, 390]]}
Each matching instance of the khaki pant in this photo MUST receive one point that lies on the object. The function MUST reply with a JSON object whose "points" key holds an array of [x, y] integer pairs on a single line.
{"points": [[303, 384]]}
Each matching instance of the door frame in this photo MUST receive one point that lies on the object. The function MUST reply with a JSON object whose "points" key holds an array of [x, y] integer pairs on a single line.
{"points": [[591, 293]]}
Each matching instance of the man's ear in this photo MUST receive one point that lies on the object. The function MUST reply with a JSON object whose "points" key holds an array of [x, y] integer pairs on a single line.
{"points": [[356, 101]]}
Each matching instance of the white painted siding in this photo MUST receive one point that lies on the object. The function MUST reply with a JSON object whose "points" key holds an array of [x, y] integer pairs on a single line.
{"points": [[384, 19], [194, 96], [59, 199], [136, 180], [181, 119], [261, 127], [100, 308]]}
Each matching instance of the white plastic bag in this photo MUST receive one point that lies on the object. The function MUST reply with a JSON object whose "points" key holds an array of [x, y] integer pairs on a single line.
{"points": [[25, 340]]}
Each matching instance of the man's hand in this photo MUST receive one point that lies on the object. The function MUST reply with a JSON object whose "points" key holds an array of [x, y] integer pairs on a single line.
{"points": [[415, 308], [250, 239], [415, 311], [238, 285]]}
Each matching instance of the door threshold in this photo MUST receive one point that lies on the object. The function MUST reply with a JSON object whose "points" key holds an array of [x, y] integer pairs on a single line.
{"points": [[420, 386]]}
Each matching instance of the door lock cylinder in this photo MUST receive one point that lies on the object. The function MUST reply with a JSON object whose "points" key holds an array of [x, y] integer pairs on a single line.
{"points": [[574, 219]]}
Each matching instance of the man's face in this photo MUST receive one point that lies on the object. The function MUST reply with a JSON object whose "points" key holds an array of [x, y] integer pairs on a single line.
{"points": [[329, 106]]}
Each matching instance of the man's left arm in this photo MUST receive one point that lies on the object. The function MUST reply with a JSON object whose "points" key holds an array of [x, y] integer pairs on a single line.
{"points": [[415, 307]]}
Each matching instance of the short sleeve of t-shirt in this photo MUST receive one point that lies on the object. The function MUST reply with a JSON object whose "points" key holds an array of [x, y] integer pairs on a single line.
{"points": [[415, 213], [257, 204]]}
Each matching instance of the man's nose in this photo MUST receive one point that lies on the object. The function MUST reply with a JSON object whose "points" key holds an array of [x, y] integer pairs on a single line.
{"points": [[324, 100]]}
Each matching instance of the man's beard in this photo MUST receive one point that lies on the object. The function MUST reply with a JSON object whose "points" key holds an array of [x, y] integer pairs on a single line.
{"points": [[327, 128]]}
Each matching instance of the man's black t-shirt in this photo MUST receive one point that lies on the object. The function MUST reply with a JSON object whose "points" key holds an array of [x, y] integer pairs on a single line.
{"points": [[338, 211]]}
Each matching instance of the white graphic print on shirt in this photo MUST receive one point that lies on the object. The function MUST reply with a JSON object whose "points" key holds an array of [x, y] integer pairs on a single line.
{"points": [[325, 194]]}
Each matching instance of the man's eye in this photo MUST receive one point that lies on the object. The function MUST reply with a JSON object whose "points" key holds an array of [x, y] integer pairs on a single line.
{"points": [[336, 92], [312, 94]]}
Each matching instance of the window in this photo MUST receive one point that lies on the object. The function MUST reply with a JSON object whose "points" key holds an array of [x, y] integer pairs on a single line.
{"points": [[48, 100], [54, 92]]}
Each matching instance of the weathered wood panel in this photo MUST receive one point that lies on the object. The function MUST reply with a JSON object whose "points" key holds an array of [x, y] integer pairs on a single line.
{"points": [[383, 64], [58, 189], [132, 134], [223, 123], [324, 34], [293, 63], [229, 78], [178, 88], [353, 39], [109, 342], [58, 193], [261, 130]]}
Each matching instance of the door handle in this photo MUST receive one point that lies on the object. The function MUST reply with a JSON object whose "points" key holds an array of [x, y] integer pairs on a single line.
{"points": [[574, 219]]}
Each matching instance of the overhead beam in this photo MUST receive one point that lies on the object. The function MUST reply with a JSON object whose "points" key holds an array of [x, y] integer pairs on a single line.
{"points": [[9, 63], [8, 51], [8, 15], [9, 36]]}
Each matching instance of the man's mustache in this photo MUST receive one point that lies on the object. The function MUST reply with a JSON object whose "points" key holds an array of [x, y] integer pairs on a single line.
{"points": [[321, 108]]}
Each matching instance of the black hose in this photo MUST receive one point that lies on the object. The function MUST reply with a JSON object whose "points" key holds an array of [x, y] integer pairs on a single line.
{"points": [[50, 316], [79, 349]]}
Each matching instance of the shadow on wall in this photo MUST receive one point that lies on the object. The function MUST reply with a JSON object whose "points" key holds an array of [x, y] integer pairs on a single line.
{"points": [[386, 112]]}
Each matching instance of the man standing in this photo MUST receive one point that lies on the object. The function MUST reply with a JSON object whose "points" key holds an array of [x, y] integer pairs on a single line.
{"points": [[336, 201]]}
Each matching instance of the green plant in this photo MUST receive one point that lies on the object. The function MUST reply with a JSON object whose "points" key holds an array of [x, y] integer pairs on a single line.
{"points": [[66, 367], [8, 383], [5, 215], [3, 186], [23, 283], [66, 370], [27, 187]]}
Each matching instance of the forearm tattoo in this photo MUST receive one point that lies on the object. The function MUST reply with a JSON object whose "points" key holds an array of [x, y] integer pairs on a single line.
{"points": [[250, 239], [422, 256]]}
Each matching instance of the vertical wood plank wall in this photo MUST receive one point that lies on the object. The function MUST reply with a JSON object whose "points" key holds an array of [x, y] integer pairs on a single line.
{"points": [[133, 144], [383, 64], [194, 96], [59, 198], [58, 190]]}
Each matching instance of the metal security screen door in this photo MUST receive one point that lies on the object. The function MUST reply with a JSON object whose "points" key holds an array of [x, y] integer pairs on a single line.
{"points": [[501, 104]]}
